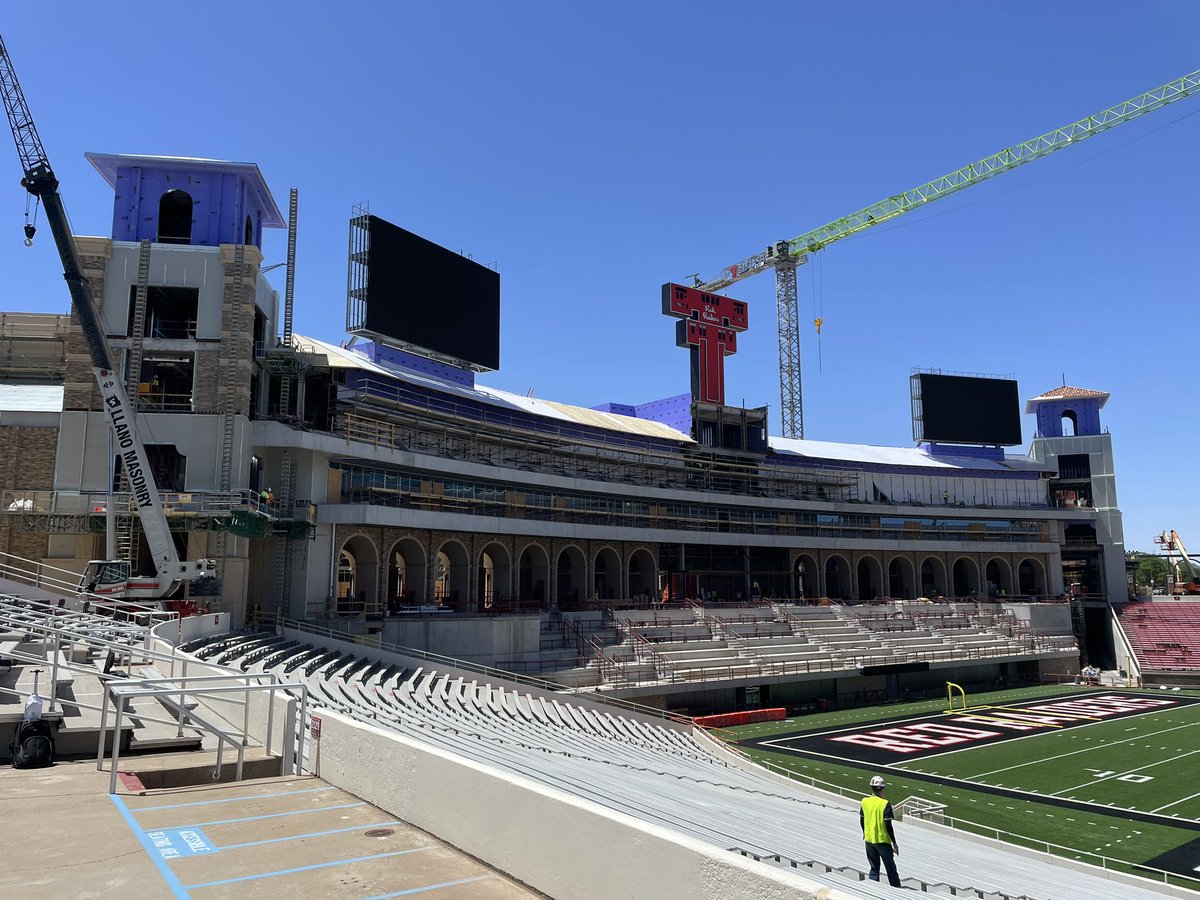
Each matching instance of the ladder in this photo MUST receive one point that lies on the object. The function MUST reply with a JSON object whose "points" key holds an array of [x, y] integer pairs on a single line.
{"points": [[289, 294], [133, 375], [127, 540], [1079, 627], [281, 583], [230, 410]]}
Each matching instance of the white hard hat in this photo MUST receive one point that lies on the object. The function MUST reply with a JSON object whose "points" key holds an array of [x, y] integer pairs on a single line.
{"points": [[878, 782]]}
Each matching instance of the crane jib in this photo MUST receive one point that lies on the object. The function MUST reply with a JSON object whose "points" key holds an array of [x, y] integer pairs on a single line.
{"points": [[126, 443]]}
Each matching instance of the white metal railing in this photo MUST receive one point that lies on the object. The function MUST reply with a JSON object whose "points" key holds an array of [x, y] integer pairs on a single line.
{"points": [[135, 644], [173, 693], [95, 503], [55, 579], [57, 626], [38, 574]]}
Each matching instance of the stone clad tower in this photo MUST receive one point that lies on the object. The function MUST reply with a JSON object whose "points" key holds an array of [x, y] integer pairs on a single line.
{"points": [[1070, 437], [187, 314]]}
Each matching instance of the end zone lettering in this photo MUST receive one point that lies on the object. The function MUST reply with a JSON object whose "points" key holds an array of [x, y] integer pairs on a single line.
{"points": [[993, 722], [922, 736]]}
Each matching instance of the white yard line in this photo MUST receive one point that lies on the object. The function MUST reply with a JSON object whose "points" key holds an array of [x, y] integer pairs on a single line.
{"points": [[1176, 803], [1128, 772], [1084, 750]]}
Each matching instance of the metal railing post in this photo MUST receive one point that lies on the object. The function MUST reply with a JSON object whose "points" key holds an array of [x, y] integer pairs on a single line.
{"points": [[116, 744], [54, 674], [103, 727], [303, 729], [271, 713], [245, 718]]}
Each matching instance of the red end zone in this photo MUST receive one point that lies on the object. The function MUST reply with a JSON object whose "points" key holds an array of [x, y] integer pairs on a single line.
{"points": [[914, 738]]}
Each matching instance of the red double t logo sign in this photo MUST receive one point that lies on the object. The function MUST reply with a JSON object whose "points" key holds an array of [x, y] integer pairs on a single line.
{"points": [[709, 325]]}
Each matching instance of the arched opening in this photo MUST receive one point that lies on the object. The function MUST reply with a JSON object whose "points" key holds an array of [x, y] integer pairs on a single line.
{"points": [[495, 577], [248, 235], [606, 575], [570, 581], [405, 574], [643, 575], [533, 576], [1070, 423], [999, 578], [452, 571], [966, 577], [175, 218], [869, 581], [837, 578], [1031, 578], [346, 571], [357, 588], [933, 577], [804, 574], [900, 578]]}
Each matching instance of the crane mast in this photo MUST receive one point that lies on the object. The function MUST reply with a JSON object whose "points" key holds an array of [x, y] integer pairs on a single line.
{"points": [[785, 256], [39, 179]]}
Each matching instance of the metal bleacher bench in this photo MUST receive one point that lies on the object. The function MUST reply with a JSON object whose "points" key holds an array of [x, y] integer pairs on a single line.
{"points": [[7, 647], [65, 675]]}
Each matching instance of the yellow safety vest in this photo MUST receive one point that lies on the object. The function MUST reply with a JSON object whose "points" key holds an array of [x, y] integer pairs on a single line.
{"points": [[874, 831]]}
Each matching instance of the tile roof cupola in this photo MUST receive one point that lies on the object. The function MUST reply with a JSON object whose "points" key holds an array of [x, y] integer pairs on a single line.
{"points": [[1075, 408]]}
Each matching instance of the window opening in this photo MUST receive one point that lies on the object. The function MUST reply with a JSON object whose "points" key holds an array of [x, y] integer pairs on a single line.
{"points": [[1070, 423], [175, 218], [165, 382], [170, 312]]}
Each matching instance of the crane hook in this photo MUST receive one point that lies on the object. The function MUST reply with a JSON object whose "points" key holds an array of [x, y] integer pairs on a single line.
{"points": [[30, 231]]}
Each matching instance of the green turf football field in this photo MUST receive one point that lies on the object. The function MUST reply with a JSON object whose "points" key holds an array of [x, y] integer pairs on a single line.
{"points": [[1118, 792], [1147, 762]]}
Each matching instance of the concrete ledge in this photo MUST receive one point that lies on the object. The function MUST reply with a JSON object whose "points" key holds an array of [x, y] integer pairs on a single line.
{"points": [[565, 847]]}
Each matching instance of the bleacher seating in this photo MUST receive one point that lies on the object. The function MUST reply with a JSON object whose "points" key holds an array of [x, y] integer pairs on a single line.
{"points": [[1164, 635], [688, 644], [660, 773]]}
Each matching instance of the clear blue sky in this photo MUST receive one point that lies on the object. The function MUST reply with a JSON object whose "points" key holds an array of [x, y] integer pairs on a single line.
{"points": [[595, 151]]}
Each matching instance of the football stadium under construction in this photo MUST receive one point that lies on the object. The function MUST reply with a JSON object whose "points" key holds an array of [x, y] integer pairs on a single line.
{"points": [[501, 618]]}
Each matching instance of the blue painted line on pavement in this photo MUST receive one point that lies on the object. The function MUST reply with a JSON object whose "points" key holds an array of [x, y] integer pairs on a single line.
{"points": [[234, 799], [294, 812], [325, 865], [177, 889], [311, 834], [430, 887]]}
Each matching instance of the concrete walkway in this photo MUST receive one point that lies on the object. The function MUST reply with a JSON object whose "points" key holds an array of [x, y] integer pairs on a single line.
{"points": [[66, 837]]}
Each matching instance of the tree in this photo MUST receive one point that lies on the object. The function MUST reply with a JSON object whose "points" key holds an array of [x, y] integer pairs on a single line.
{"points": [[1152, 570]]}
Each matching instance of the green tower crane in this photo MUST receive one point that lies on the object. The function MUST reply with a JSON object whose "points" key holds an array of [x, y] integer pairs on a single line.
{"points": [[785, 256]]}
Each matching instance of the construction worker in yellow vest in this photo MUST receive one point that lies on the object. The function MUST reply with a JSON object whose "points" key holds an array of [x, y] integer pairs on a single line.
{"points": [[875, 817]]}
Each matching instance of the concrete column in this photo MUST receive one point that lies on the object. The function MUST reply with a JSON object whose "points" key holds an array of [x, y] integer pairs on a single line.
{"points": [[473, 548]]}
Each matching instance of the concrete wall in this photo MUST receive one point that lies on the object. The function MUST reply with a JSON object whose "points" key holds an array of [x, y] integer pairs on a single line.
{"points": [[477, 639], [568, 848], [83, 449], [1048, 618], [170, 266]]}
